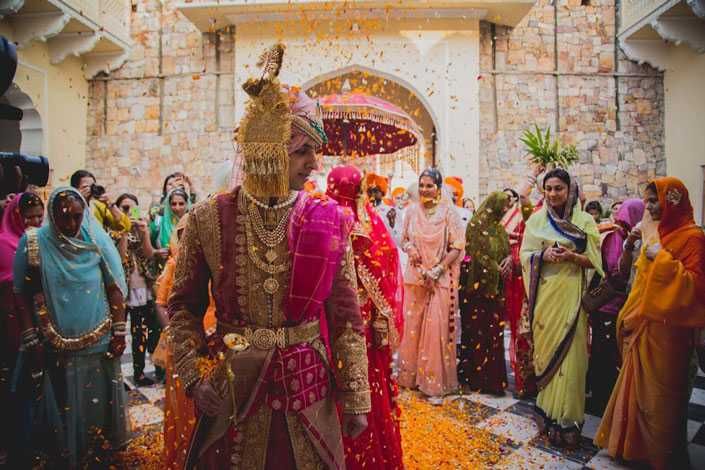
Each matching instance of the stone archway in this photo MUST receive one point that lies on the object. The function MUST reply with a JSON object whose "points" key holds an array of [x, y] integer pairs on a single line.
{"points": [[27, 135], [388, 88]]}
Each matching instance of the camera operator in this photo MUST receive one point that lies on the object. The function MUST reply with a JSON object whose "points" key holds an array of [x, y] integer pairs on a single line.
{"points": [[108, 214], [137, 254]]}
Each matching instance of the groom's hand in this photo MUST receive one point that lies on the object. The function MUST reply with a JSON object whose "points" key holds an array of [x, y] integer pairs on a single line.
{"points": [[207, 400], [353, 425]]}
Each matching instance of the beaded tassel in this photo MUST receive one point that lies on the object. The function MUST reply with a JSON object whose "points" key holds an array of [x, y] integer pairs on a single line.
{"points": [[265, 131]]}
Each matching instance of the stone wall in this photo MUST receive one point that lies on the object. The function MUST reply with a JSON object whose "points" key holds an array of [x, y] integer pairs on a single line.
{"points": [[559, 68], [171, 106]]}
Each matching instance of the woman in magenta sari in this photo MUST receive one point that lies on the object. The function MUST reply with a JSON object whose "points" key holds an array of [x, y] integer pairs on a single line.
{"points": [[24, 211], [381, 303], [604, 354], [434, 240]]}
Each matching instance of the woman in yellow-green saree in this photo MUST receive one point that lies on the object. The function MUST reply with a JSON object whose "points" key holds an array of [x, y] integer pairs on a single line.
{"points": [[561, 244]]}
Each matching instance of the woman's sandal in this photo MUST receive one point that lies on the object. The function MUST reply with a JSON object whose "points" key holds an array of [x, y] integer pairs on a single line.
{"points": [[571, 438], [554, 436]]}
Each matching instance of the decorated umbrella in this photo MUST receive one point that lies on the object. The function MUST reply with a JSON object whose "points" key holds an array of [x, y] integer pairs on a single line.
{"points": [[360, 125]]}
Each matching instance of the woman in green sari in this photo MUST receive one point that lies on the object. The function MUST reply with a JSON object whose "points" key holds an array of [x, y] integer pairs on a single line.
{"points": [[71, 285], [176, 204], [560, 244], [482, 366]]}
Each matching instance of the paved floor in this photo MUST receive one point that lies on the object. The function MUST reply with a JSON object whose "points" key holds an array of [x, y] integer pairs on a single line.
{"points": [[507, 417]]}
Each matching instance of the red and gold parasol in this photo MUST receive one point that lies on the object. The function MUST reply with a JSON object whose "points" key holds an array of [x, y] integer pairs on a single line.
{"points": [[360, 125]]}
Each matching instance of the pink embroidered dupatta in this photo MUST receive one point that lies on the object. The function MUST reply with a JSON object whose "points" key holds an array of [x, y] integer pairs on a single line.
{"points": [[318, 232]]}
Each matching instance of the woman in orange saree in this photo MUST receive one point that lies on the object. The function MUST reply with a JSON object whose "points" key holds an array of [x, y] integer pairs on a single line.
{"points": [[656, 330]]}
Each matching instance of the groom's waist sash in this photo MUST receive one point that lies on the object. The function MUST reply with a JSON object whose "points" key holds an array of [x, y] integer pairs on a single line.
{"points": [[270, 338]]}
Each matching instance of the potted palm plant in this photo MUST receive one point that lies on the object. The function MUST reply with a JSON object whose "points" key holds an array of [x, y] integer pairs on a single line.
{"points": [[547, 152]]}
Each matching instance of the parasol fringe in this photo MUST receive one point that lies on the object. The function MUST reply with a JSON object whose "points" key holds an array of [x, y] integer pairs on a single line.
{"points": [[388, 119]]}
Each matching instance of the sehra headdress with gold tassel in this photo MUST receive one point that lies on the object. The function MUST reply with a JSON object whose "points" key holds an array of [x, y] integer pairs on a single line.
{"points": [[265, 130]]}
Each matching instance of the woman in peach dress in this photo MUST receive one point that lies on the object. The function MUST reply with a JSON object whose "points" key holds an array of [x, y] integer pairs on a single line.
{"points": [[433, 239]]}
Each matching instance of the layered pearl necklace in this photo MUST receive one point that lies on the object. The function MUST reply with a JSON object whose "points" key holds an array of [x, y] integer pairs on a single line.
{"points": [[289, 201]]}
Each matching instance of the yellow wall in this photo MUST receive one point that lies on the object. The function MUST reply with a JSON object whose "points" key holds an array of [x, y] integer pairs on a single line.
{"points": [[685, 121], [60, 95]]}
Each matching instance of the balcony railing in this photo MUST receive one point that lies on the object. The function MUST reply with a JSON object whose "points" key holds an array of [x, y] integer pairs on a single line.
{"points": [[112, 15], [634, 12], [98, 31]]}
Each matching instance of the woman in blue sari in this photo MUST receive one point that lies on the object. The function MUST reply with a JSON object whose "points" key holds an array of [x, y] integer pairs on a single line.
{"points": [[71, 287]]}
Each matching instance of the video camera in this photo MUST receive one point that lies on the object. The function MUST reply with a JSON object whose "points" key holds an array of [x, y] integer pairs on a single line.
{"points": [[16, 170]]}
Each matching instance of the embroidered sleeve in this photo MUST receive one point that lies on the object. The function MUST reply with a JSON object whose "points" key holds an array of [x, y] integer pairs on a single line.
{"points": [[187, 305], [456, 233], [348, 339], [382, 323]]}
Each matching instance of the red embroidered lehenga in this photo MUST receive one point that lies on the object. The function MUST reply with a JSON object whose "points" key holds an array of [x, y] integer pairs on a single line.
{"points": [[514, 223], [380, 291]]}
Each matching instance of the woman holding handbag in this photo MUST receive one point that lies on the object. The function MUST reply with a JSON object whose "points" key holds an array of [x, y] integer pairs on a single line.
{"points": [[604, 354]]}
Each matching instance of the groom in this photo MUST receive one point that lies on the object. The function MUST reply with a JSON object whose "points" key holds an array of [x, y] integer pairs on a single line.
{"points": [[290, 342]]}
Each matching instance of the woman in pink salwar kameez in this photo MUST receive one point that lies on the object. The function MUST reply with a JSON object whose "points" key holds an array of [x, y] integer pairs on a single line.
{"points": [[434, 240]]}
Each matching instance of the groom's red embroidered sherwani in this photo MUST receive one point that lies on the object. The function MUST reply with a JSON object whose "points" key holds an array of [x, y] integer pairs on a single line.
{"points": [[283, 279]]}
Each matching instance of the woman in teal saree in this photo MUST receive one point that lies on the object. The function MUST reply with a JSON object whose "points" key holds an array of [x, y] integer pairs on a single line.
{"points": [[70, 280]]}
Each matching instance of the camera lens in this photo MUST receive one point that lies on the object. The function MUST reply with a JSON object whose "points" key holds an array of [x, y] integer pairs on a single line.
{"points": [[35, 168], [97, 190]]}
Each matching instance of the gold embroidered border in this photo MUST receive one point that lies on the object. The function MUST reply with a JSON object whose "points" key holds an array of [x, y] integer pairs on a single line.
{"points": [[189, 245], [350, 352], [356, 403], [63, 343], [348, 265], [208, 223], [240, 254], [187, 343], [305, 454], [33, 248], [371, 285], [256, 438]]}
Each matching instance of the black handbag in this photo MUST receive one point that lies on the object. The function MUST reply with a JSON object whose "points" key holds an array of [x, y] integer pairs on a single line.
{"points": [[606, 290]]}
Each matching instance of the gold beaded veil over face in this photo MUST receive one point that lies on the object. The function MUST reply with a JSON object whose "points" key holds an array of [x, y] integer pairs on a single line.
{"points": [[278, 121], [265, 130]]}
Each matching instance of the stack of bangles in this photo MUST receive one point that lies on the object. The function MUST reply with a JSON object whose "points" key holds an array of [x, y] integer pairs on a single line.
{"points": [[30, 338], [435, 272], [120, 328]]}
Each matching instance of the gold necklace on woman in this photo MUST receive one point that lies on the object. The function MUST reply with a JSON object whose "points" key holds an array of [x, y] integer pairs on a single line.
{"points": [[429, 211]]}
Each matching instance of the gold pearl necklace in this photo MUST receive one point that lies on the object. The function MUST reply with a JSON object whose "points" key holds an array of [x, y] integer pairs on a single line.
{"points": [[270, 238], [289, 201]]}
